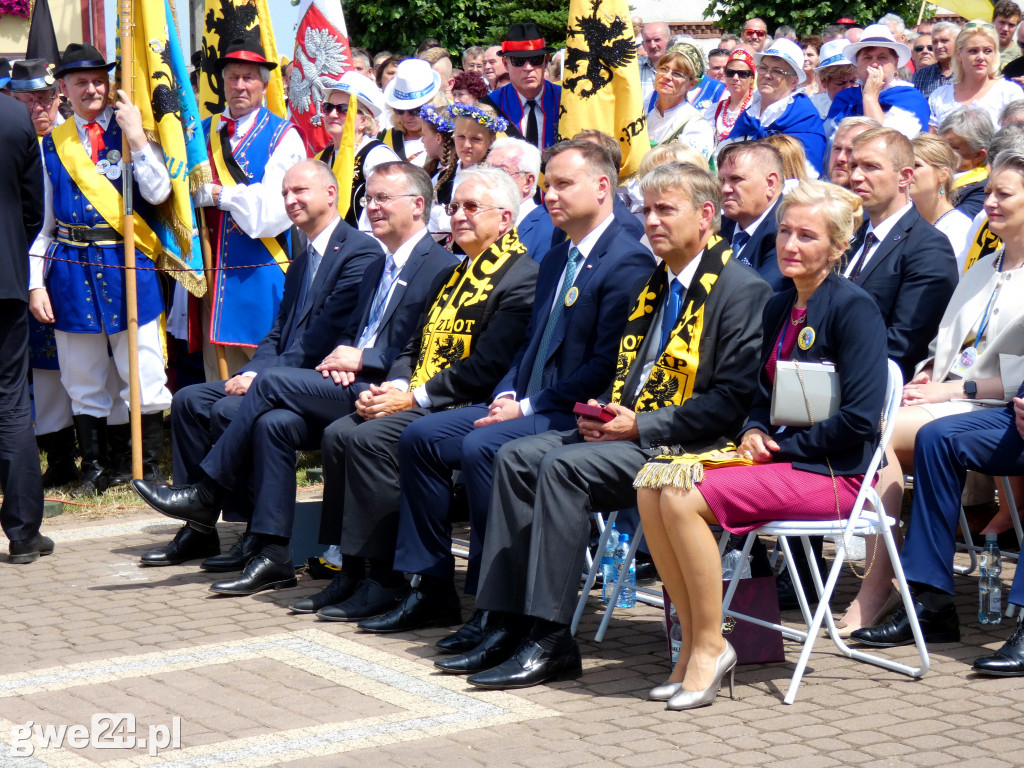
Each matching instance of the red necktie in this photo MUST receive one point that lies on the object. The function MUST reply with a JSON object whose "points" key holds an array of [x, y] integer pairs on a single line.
{"points": [[95, 140]]}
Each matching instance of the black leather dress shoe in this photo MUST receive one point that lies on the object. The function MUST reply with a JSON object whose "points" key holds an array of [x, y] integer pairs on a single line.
{"points": [[261, 573], [341, 588], [938, 625], [245, 548], [420, 608], [187, 544], [180, 502], [468, 636], [1008, 661], [369, 599], [30, 550], [530, 665], [497, 647]]}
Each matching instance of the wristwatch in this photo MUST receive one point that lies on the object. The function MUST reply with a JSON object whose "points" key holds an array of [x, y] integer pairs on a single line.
{"points": [[970, 389]]}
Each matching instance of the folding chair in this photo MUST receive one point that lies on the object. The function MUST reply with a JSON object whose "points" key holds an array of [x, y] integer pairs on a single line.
{"points": [[973, 549], [863, 521]]}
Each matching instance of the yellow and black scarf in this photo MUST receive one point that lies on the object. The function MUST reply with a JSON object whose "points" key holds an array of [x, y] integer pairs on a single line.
{"points": [[452, 322], [671, 379]]}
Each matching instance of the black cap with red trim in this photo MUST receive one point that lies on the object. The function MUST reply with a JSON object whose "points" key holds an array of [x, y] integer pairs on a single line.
{"points": [[524, 39], [245, 51]]}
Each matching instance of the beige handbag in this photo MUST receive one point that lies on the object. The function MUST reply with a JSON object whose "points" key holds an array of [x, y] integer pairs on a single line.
{"points": [[804, 393]]}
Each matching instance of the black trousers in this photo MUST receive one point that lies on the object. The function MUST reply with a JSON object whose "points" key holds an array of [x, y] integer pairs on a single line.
{"points": [[20, 478]]}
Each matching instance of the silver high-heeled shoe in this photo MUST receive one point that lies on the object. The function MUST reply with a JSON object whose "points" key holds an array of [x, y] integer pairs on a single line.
{"points": [[725, 664], [664, 692]]}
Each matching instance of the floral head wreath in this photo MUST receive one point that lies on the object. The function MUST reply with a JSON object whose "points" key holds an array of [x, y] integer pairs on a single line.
{"points": [[490, 122], [437, 119]]}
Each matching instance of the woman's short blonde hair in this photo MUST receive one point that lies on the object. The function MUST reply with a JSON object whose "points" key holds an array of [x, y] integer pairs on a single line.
{"points": [[670, 153], [936, 152], [840, 210], [976, 28]]}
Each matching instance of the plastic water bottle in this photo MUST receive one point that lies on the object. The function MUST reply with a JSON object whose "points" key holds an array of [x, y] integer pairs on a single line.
{"points": [[990, 585], [608, 570], [627, 595]]}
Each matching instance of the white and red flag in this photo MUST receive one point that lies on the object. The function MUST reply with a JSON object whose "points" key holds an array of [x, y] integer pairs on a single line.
{"points": [[322, 55]]}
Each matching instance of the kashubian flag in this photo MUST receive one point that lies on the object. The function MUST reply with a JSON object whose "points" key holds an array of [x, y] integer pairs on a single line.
{"points": [[601, 80], [345, 158], [170, 117], [227, 20]]}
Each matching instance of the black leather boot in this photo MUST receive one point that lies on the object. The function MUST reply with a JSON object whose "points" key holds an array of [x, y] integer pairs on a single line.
{"points": [[119, 449], [61, 451], [92, 444], [153, 448]]}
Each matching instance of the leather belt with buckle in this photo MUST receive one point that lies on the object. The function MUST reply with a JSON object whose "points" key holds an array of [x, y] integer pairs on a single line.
{"points": [[75, 234]]}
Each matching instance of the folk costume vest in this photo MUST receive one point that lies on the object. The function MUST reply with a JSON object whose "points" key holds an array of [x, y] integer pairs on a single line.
{"points": [[506, 99], [250, 276], [86, 279]]}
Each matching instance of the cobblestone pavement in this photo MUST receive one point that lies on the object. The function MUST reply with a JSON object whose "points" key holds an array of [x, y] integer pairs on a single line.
{"points": [[87, 631]]}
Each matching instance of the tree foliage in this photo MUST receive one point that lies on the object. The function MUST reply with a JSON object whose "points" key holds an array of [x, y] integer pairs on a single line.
{"points": [[400, 25], [810, 18]]}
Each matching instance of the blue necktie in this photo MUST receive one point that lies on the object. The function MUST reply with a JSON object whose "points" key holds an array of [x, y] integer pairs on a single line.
{"points": [[738, 241], [671, 313], [537, 374], [380, 301]]}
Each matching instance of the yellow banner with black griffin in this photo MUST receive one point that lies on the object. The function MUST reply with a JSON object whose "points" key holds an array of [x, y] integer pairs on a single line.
{"points": [[455, 314], [670, 381]]}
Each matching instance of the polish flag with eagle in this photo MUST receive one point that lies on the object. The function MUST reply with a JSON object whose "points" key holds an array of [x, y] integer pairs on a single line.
{"points": [[322, 54]]}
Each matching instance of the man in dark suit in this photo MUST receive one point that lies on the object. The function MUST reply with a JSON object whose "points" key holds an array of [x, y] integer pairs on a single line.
{"points": [[568, 356], [752, 174], [521, 161], [361, 461], [287, 408], [530, 103], [906, 264], [21, 189], [545, 486], [321, 293]]}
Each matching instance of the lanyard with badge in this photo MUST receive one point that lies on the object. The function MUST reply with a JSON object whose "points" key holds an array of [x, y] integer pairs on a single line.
{"points": [[969, 356]]}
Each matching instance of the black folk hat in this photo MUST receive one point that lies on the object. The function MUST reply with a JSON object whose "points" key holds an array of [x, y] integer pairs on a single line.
{"points": [[524, 40], [82, 56], [245, 51], [31, 75]]}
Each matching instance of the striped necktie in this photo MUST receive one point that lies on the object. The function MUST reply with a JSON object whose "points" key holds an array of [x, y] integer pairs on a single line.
{"points": [[380, 301]]}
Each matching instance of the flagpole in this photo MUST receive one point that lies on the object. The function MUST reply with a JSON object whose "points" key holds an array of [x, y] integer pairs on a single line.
{"points": [[211, 287], [131, 291]]}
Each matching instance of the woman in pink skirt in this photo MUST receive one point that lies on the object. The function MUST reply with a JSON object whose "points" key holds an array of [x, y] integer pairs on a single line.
{"points": [[794, 473]]}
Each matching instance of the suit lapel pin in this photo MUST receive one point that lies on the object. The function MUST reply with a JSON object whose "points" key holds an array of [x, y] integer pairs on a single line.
{"points": [[571, 296]]}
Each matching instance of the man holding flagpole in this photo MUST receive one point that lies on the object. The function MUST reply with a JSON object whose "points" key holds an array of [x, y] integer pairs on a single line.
{"points": [[250, 149], [85, 273]]}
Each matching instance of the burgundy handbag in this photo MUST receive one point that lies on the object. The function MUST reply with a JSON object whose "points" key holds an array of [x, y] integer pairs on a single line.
{"points": [[755, 596]]}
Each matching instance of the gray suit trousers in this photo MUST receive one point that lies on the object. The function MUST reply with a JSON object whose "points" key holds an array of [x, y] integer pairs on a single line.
{"points": [[538, 525]]}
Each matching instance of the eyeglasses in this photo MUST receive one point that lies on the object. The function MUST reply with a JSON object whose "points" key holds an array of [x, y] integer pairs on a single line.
{"points": [[380, 199], [400, 112], [774, 72], [470, 207], [676, 76], [42, 98], [742, 74], [755, 33], [509, 171], [328, 107], [533, 61], [978, 25], [919, 48]]}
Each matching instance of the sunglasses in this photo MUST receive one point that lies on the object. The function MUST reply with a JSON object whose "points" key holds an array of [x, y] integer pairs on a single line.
{"points": [[979, 25], [533, 61], [919, 48], [742, 74], [328, 107], [755, 33], [470, 207], [400, 112]]}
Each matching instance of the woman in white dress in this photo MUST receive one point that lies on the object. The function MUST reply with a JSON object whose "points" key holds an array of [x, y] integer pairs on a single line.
{"points": [[935, 165], [671, 118], [976, 79]]}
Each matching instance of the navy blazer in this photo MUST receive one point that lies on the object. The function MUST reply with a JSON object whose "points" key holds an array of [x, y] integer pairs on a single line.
{"points": [[759, 250], [625, 218], [21, 178], [912, 275], [970, 199], [303, 341], [536, 231], [581, 355], [428, 268], [849, 332]]}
